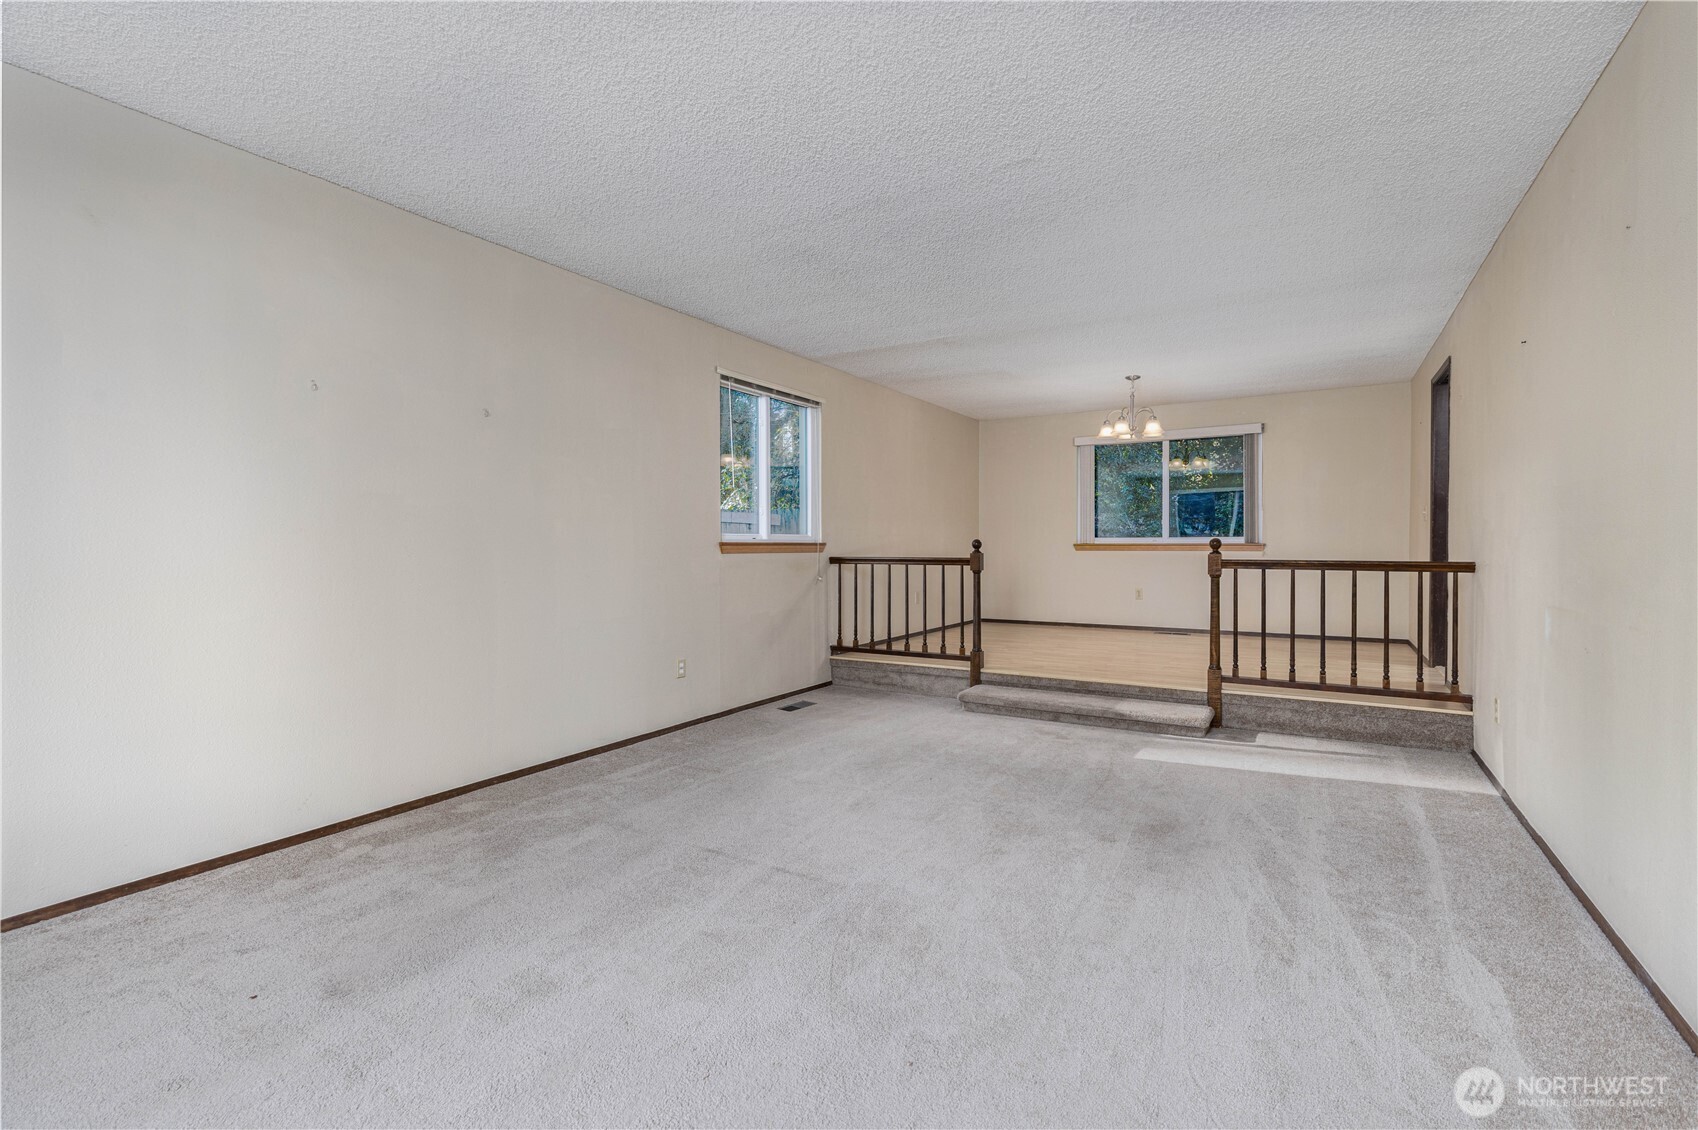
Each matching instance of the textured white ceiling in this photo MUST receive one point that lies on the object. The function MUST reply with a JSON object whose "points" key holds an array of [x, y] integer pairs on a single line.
{"points": [[1001, 208]]}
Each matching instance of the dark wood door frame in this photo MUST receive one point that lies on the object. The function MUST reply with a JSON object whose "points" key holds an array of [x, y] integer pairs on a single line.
{"points": [[1438, 519]]}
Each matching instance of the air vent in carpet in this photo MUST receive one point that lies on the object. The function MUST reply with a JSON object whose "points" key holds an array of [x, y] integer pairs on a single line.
{"points": [[796, 705]]}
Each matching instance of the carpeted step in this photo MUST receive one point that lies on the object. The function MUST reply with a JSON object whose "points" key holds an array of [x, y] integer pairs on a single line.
{"points": [[1089, 709]]}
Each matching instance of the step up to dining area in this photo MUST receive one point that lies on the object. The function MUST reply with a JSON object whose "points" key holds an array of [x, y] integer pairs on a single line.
{"points": [[1115, 711], [1383, 668]]}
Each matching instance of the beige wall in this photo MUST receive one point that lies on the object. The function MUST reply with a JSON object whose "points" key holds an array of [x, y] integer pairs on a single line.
{"points": [[237, 607], [1575, 387], [1335, 484]]}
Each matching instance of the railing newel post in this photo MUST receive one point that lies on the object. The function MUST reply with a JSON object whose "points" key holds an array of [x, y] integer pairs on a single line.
{"points": [[1214, 631], [976, 662]]}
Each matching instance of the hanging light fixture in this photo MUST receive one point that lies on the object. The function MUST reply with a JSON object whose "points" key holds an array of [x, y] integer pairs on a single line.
{"points": [[1131, 422]]}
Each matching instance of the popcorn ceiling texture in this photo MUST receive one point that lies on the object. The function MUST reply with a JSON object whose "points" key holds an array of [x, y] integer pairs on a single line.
{"points": [[997, 208]]}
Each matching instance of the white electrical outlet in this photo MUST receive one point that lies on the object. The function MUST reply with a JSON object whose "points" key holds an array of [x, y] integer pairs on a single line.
{"points": [[1497, 718], [680, 668], [1137, 594]]}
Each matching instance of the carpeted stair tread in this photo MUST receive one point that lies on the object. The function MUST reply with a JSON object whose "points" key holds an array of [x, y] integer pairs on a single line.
{"points": [[1089, 709]]}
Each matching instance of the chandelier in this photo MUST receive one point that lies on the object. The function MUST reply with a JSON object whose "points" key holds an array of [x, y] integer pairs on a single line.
{"points": [[1132, 422]]}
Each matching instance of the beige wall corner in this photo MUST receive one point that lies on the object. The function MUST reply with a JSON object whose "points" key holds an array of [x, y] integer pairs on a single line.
{"points": [[1574, 373]]}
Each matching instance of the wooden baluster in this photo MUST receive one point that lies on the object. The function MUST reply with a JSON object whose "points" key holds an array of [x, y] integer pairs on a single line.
{"points": [[1352, 627], [1385, 638], [1291, 630], [1455, 633], [1214, 630], [1323, 627], [925, 611], [976, 664], [907, 604], [1420, 631], [961, 626], [1235, 573], [1264, 574], [889, 621], [855, 624], [840, 606]]}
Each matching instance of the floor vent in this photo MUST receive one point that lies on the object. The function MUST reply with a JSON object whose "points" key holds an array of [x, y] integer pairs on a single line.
{"points": [[796, 705]]}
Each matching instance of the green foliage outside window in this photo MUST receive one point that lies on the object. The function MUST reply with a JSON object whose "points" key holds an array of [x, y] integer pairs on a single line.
{"points": [[739, 463], [1128, 490], [1205, 487]]}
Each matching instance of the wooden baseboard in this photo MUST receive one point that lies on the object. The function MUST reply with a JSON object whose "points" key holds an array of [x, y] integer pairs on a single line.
{"points": [[1681, 1024], [95, 899], [1116, 627]]}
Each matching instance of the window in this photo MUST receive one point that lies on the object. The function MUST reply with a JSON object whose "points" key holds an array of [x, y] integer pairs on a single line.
{"points": [[768, 463], [1189, 486]]}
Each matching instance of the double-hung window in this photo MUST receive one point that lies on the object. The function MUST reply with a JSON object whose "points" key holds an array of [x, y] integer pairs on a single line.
{"points": [[768, 463], [1187, 487]]}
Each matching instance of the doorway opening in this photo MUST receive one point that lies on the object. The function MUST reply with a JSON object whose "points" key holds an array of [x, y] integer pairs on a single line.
{"points": [[1438, 510]]}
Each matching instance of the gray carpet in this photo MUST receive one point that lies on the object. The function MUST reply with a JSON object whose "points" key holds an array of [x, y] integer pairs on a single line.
{"points": [[879, 911]]}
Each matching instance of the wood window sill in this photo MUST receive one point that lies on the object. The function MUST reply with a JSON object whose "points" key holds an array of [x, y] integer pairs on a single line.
{"points": [[1170, 547], [771, 546]]}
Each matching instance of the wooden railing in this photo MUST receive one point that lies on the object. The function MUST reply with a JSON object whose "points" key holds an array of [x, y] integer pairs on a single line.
{"points": [[858, 592], [1444, 640]]}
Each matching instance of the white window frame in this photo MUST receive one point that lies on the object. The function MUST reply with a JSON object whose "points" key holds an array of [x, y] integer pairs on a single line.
{"points": [[812, 519], [1085, 453]]}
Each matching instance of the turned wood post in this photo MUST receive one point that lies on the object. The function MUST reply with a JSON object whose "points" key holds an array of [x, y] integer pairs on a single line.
{"points": [[1214, 629], [976, 661]]}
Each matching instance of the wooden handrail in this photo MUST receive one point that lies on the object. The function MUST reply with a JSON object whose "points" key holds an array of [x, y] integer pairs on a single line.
{"points": [[875, 644], [1360, 566], [899, 560], [1447, 636]]}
